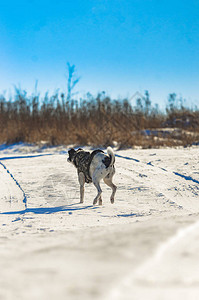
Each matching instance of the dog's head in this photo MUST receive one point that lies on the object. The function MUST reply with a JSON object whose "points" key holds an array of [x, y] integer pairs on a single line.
{"points": [[72, 152]]}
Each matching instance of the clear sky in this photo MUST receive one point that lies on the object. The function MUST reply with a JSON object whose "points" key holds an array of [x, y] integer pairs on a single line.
{"points": [[117, 46]]}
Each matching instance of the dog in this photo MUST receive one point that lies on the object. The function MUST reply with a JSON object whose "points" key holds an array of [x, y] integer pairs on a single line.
{"points": [[92, 167]]}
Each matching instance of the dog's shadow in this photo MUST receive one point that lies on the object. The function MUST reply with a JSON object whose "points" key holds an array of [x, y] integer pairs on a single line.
{"points": [[51, 210]]}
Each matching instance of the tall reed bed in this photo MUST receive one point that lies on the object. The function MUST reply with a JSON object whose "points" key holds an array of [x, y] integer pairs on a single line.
{"points": [[95, 121]]}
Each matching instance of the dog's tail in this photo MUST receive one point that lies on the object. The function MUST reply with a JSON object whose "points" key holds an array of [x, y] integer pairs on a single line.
{"points": [[111, 155]]}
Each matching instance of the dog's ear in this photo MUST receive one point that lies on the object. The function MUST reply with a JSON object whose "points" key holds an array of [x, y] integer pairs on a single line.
{"points": [[72, 150], [79, 149], [71, 153]]}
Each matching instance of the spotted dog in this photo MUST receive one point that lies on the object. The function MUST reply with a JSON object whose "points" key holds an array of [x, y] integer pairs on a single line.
{"points": [[92, 167]]}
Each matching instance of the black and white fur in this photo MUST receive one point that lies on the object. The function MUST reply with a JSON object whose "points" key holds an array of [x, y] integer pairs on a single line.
{"points": [[101, 167]]}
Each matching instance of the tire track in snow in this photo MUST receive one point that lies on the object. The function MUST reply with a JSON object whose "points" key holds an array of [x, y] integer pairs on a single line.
{"points": [[17, 183], [157, 181], [150, 164], [168, 191]]}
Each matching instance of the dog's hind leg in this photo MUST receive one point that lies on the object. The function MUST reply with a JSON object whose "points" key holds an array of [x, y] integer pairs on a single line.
{"points": [[81, 182], [100, 200], [108, 181], [99, 192], [96, 179]]}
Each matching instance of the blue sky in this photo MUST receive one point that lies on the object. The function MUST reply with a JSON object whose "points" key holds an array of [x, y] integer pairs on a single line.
{"points": [[117, 46]]}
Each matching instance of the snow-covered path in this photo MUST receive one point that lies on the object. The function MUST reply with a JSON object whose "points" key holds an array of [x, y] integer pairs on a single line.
{"points": [[57, 248], [172, 273]]}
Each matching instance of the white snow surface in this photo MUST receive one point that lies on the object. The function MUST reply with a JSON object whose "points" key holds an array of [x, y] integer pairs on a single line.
{"points": [[144, 246]]}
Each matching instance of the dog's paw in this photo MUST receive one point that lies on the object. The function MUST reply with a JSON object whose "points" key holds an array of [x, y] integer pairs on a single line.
{"points": [[100, 202], [112, 200], [94, 201]]}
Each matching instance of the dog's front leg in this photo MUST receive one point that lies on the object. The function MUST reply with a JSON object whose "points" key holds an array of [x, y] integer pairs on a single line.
{"points": [[81, 182]]}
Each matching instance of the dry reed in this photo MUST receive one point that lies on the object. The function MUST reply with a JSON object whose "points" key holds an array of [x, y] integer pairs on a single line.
{"points": [[95, 121]]}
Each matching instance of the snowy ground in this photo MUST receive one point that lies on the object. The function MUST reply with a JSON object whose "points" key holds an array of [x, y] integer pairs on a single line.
{"points": [[145, 246]]}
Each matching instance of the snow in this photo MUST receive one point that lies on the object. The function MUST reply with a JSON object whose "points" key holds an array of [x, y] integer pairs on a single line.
{"points": [[145, 246]]}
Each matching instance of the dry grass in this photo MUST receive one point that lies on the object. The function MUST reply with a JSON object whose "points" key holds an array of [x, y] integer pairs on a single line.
{"points": [[96, 121]]}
